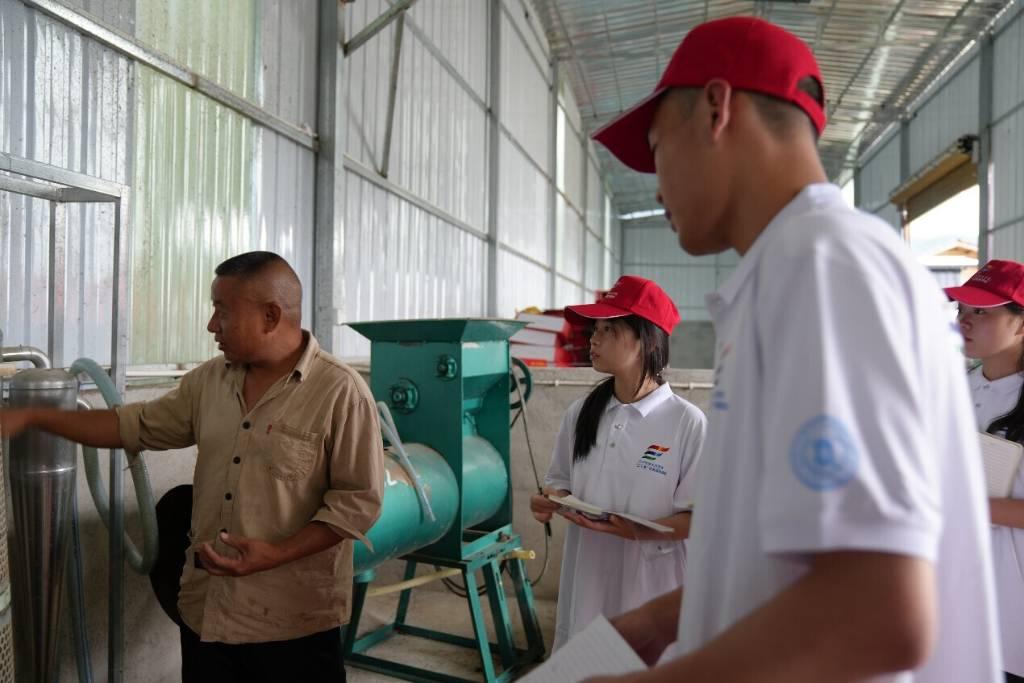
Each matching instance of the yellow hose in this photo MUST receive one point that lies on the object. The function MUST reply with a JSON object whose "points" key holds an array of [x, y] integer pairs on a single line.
{"points": [[412, 583], [440, 574]]}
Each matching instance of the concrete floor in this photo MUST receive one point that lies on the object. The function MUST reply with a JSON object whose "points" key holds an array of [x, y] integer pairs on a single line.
{"points": [[442, 611]]}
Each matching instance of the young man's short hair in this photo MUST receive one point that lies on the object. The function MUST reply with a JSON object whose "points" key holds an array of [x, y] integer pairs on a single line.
{"points": [[780, 116]]}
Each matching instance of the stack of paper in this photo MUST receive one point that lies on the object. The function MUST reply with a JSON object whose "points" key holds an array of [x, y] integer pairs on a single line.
{"points": [[597, 650], [1001, 459], [543, 355], [549, 322], [550, 340], [595, 512], [528, 335]]}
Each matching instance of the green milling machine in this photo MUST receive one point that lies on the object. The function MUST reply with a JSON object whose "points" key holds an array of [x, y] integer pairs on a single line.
{"points": [[448, 492]]}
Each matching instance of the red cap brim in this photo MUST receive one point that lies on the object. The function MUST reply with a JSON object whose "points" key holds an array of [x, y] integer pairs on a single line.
{"points": [[584, 313], [972, 296], [626, 135]]}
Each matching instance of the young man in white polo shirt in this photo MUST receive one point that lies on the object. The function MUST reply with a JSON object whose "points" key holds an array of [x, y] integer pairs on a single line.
{"points": [[840, 530]]}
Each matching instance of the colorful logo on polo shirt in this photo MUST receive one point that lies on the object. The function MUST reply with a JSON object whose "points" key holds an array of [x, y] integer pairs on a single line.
{"points": [[649, 460], [654, 451]]}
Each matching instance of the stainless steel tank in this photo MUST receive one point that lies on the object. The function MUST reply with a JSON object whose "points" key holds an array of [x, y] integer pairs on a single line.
{"points": [[42, 476]]}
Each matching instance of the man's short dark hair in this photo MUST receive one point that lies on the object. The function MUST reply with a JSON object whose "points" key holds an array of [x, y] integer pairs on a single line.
{"points": [[278, 280], [780, 116], [248, 264]]}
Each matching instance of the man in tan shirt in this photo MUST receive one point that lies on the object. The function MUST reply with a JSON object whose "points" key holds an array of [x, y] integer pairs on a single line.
{"points": [[290, 473]]}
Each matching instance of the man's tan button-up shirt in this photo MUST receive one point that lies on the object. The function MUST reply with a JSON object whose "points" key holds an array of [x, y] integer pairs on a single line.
{"points": [[309, 450]]}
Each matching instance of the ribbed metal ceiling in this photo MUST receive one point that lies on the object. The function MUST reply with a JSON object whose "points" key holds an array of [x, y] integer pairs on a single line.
{"points": [[876, 57]]}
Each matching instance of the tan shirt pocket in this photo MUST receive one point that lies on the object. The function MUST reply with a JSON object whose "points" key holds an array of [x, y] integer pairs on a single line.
{"points": [[291, 452]]}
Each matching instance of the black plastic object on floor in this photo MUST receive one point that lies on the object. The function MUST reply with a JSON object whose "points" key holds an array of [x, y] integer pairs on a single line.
{"points": [[174, 519]]}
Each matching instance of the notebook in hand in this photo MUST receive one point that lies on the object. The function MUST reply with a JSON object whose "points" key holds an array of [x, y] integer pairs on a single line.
{"points": [[598, 514], [1001, 459]]}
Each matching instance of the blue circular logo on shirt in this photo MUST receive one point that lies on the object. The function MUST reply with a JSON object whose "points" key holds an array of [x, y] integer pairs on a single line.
{"points": [[823, 455]]}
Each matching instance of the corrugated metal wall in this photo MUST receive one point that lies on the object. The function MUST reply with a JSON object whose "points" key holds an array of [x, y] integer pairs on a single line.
{"points": [[421, 265], [434, 203], [1008, 142], [63, 101], [652, 251], [951, 110], [208, 183], [284, 169], [879, 174], [586, 226], [403, 261]]}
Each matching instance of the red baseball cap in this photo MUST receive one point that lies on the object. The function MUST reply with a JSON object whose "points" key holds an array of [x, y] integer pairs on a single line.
{"points": [[997, 283], [631, 295], [748, 53]]}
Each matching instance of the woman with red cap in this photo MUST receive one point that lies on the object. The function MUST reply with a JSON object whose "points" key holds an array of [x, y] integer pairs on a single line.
{"points": [[631, 446], [990, 310]]}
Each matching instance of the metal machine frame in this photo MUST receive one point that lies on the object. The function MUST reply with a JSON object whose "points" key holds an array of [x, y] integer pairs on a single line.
{"points": [[513, 659], [448, 382], [61, 187]]}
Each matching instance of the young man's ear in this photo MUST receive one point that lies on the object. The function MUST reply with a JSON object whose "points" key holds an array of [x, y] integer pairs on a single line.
{"points": [[718, 98]]}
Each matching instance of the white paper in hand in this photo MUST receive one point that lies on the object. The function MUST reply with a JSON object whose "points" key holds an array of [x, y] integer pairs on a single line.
{"points": [[575, 503], [595, 512], [597, 650], [1001, 459]]}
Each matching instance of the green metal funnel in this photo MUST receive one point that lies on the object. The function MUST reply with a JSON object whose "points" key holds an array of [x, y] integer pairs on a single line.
{"points": [[439, 330]]}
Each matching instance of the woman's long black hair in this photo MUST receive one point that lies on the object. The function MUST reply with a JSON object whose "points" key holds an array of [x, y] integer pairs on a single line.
{"points": [[654, 357], [1013, 421]]}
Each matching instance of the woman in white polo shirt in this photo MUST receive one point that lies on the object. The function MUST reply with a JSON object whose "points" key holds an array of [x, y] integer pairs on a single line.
{"points": [[991, 316], [629, 446]]}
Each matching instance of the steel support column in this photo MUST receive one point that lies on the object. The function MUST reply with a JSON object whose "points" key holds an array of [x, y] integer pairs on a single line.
{"points": [[328, 217], [584, 202], [58, 278], [553, 184], [986, 169], [396, 59], [904, 172], [493, 145]]}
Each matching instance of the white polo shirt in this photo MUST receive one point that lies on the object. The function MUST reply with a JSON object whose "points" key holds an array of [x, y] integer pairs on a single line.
{"points": [[993, 400], [642, 463], [840, 420]]}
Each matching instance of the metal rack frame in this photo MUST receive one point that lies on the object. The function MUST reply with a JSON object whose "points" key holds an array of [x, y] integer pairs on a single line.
{"points": [[61, 187]]}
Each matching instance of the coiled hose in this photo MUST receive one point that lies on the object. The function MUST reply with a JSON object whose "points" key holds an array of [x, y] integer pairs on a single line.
{"points": [[142, 562]]}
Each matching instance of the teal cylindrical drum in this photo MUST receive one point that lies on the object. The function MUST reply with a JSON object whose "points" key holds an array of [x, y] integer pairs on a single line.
{"points": [[484, 480], [403, 526]]}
